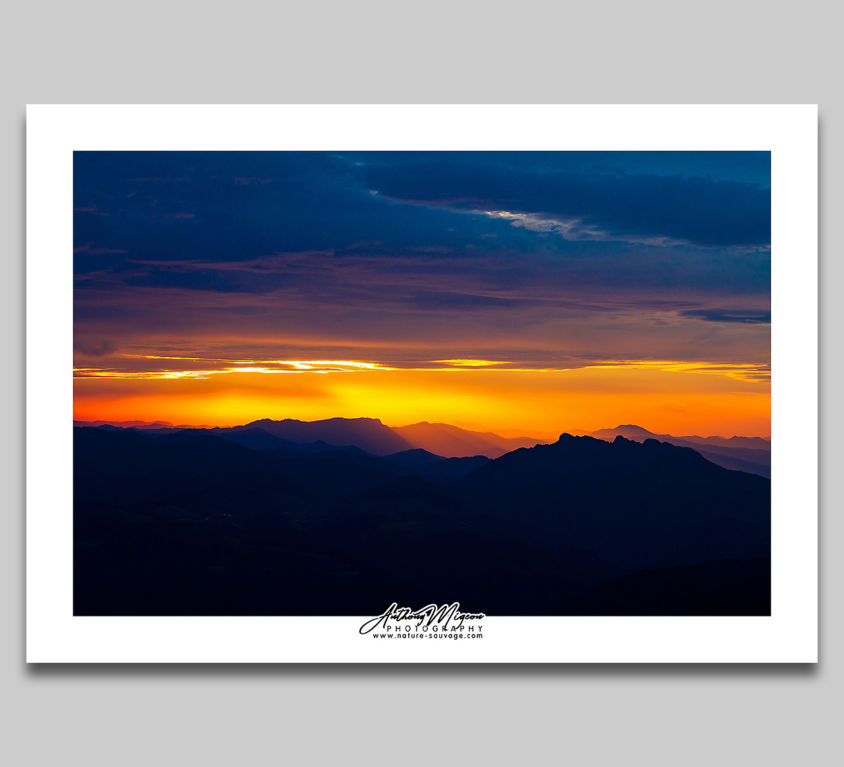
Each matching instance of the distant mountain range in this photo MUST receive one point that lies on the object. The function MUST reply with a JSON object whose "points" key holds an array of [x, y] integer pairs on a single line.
{"points": [[250, 520], [367, 434], [443, 439], [750, 454], [370, 435], [134, 424]]}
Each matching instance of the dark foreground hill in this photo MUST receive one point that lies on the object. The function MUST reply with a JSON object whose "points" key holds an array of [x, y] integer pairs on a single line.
{"points": [[639, 504], [191, 522]]}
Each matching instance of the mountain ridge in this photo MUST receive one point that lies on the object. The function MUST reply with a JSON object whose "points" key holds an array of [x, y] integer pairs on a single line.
{"points": [[454, 441], [371, 435], [629, 429], [581, 487], [749, 454], [193, 523], [368, 434]]}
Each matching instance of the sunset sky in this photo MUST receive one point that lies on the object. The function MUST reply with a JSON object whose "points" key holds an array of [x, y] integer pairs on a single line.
{"points": [[524, 293]]}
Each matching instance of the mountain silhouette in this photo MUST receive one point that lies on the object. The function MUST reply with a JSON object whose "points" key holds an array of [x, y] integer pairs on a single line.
{"points": [[131, 424], [640, 504], [751, 443], [750, 454], [368, 434], [259, 439], [452, 441], [421, 463], [415, 458], [189, 522]]}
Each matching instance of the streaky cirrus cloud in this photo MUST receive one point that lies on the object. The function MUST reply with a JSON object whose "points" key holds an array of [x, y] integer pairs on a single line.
{"points": [[584, 195]]}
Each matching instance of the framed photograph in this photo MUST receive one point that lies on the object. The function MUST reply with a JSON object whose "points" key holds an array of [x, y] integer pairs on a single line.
{"points": [[374, 384]]}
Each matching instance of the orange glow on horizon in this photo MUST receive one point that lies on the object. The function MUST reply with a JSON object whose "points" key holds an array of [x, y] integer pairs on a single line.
{"points": [[471, 363], [705, 398]]}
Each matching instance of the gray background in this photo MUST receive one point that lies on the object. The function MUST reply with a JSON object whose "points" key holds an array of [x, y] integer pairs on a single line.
{"points": [[732, 52]]}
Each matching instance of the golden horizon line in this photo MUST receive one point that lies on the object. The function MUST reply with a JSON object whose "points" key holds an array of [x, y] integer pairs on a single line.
{"points": [[476, 430], [744, 371]]}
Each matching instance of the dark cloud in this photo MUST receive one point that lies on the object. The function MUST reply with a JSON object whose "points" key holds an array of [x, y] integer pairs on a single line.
{"points": [[723, 315], [609, 203], [462, 301], [204, 279], [94, 348], [593, 253], [91, 250]]}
